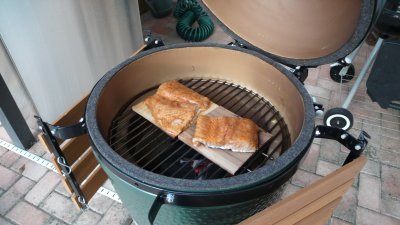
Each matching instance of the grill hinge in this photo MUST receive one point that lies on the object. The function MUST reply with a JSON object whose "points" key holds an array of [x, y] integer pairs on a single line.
{"points": [[151, 42], [236, 43], [301, 72]]}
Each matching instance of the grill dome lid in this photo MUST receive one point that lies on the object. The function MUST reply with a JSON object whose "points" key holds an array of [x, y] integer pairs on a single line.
{"points": [[295, 32]]}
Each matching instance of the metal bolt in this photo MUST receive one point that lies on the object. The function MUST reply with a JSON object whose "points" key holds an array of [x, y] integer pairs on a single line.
{"points": [[156, 42], [319, 112], [266, 156], [170, 198], [343, 136], [53, 132], [357, 147], [317, 132], [81, 120]]}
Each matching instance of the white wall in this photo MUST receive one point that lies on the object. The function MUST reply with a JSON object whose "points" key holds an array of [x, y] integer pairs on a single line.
{"points": [[62, 47]]}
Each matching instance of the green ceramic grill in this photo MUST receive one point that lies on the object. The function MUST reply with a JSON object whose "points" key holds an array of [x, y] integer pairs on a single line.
{"points": [[160, 180]]}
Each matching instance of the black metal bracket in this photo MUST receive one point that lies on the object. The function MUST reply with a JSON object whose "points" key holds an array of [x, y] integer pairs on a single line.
{"points": [[318, 107], [301, 72], [236, 43], [355, 145], [52, 132], [343, 62], [151, 42], [66, 132]]}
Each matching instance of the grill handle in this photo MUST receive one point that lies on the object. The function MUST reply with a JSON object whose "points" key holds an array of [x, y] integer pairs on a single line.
{"points": [[355, 145], [155, 207]]}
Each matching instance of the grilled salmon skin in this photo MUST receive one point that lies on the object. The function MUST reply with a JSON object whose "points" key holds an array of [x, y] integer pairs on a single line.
{"points": [[172, 116], [237, 134], [175, 91]]}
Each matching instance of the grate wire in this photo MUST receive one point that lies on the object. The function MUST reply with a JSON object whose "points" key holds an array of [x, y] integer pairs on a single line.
{"points": [[145, 145]]}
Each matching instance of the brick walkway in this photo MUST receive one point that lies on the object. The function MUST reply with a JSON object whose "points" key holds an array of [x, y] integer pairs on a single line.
{"points": [[32, 195]]}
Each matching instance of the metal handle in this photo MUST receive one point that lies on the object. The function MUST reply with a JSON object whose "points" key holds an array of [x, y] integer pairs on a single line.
{"points": [[155, 207], [355, 145]]}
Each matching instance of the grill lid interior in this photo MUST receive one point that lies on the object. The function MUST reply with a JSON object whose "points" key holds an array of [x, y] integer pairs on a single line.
{"points": [[295, 31]]}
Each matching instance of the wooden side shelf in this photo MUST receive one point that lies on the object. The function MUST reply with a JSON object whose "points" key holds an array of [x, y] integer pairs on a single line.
{"points": [[314, 204], [79, 155]]}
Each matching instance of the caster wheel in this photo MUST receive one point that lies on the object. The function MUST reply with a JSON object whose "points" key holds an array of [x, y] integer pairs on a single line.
{"points": [[339, 117], [335, 73]]}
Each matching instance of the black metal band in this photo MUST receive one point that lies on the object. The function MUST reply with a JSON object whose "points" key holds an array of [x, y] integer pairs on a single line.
{"points": [[206, 199], [67, 132]]}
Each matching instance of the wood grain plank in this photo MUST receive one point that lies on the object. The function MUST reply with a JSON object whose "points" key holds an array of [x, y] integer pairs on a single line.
{"points": [[84, 166], [90, 186], [77, 204], [67, 186], [321, 216], [74, 148], [138, 50], [43, 141], [304, 197], [70, 117], [56, 165], [314, 206], [73, 115], [93, 182], [226, 159]]}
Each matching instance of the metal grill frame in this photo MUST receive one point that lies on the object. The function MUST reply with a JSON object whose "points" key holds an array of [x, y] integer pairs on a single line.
{"points": [[139, 130]]}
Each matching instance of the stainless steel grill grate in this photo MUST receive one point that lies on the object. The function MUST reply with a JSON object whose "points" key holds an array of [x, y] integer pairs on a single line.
{"points": [[143, 144]]}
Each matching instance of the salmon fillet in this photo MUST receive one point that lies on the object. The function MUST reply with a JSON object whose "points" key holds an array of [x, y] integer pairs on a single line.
{"points": [[237, 134], [175, 91], [172, 116]]}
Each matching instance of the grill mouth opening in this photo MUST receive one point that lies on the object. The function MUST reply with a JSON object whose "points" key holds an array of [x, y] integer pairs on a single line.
{"points": [[145, 145]]}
